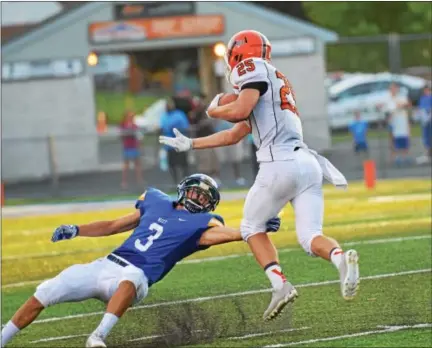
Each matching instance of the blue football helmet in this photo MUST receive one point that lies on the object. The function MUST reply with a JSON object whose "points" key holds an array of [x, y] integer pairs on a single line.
{"points": [[199, 193]]}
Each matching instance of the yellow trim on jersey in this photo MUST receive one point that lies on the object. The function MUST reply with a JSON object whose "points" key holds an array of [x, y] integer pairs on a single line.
{"points": [[215, 223]]}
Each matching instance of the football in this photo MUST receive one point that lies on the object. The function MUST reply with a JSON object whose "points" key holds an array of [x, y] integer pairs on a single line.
{"points": [[227, 98]]}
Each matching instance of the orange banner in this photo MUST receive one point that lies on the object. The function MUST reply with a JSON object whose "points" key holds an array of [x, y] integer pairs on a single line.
{"points": [[156, 28]]}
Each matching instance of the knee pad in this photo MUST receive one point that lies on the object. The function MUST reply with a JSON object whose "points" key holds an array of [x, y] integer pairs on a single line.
{"points": [[137, 277], [307, 242], [248, 229]]}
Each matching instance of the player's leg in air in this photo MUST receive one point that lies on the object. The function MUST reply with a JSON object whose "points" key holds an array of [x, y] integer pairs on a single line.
{"points": [[308, 205], [300, 184], [101, 279], [266, 198]]}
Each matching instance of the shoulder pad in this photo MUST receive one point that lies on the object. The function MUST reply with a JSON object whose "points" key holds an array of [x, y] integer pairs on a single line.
{"points": [[249, 70]]}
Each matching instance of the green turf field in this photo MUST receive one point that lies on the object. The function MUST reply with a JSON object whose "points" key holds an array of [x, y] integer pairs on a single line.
{"points": [[216, 298]]}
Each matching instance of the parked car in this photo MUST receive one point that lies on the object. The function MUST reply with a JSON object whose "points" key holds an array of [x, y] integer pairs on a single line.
{"points": [[364, 92]]}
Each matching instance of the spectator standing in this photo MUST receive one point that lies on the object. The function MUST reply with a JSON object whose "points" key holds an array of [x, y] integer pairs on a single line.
{"points": [[175, 118], [358, 129], [131, 143], [425, 118], [397, 106], [202, 126]]}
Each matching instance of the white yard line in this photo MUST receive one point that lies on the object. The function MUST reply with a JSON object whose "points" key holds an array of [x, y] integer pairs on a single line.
{"points": [[235, 294], [144, 338], [58, 338], [221, 258], [398, 198], [260, 334], [365, 333]]}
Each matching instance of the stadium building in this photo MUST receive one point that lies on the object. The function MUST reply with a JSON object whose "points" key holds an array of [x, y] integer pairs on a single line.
{"points": [[48, 88]]}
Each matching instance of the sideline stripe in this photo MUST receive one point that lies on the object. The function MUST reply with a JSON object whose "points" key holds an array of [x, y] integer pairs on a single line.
{"points": [[226, 257]]}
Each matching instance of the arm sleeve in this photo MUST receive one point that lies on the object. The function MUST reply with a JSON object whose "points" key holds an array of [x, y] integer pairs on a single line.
{"points": [[215, 220], [260, 86], [140, 203], [217, 217]]}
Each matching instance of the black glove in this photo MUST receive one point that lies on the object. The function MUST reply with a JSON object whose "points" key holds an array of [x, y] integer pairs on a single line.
{"points": [[273, 224]]}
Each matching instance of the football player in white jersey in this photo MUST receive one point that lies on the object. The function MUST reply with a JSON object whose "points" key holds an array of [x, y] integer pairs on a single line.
{"points": [[289, 171]]}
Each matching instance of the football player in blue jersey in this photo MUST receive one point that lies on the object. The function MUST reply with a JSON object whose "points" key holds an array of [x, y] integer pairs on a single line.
{"points": [[165, 232]]}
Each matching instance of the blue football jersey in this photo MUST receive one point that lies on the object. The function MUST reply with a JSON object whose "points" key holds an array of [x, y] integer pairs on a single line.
{"points": [[165, 235]]}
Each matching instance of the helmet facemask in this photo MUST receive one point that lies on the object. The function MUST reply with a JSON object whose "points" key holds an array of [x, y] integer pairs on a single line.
{"points": [[198, 194]]}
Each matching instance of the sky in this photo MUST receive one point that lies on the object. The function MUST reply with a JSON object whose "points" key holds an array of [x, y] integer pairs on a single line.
{"points": [[13, 13]]}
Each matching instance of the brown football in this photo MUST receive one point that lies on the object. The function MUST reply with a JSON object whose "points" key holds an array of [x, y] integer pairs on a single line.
{"points": [[227, 98]]}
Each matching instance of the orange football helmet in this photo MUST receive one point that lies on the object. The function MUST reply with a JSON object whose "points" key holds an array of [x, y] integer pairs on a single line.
{"points": [[247, 44]]}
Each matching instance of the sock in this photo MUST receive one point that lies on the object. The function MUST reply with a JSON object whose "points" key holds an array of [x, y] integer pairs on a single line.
{"points": [[9, 331], [274, 273], [106, 325], [336, 255]]}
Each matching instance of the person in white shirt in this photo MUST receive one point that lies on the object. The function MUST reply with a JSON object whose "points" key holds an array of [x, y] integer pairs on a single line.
{"points": [[397, 106]]}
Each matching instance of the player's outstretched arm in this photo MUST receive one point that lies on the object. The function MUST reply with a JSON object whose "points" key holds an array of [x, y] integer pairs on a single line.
{"points": [[220, 234], [98, 228], [239, 110], [224, 138]]}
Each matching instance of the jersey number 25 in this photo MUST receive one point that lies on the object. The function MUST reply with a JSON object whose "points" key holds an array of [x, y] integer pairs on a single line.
{"points": [[154, 227], [285, 91]]}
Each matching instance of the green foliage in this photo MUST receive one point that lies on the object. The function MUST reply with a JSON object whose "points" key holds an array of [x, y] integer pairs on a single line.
{"points": [[351, 18], [370, 19], [115, 104]]}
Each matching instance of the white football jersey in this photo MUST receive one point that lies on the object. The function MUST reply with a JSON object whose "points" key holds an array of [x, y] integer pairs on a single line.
{"points": [[275, 123]]}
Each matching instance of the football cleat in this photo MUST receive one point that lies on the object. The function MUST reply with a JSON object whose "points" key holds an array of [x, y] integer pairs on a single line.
{"points": [[280, 298], [95, 341], [349, 274]]}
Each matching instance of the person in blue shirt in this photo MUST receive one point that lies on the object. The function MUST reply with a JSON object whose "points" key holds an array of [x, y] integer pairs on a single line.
{"points": [[358, 129], [174, 118], [425, 113], [165, 232]]}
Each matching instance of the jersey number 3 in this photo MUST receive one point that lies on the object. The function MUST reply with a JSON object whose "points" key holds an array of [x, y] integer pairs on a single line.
{"points": [[285, 91], [154, 227]]}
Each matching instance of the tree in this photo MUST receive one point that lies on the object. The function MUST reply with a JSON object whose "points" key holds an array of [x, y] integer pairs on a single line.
{"points": [[370, 19]]}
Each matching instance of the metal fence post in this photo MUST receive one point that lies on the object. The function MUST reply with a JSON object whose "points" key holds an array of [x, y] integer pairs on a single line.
{"points": [[394, 52], [53, 162]]}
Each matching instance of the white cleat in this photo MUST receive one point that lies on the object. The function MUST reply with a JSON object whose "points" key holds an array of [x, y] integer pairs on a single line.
{"points": [[349, 274], [95, 341], [280, 298]]}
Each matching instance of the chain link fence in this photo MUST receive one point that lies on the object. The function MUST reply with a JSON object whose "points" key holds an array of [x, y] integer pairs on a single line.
{"points": [[409, 53], [54, 178]]}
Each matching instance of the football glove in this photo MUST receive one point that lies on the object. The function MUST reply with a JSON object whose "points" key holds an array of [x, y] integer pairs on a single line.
{"points": [[214, 103], [273, 224], [180, 143], [65, 232]]}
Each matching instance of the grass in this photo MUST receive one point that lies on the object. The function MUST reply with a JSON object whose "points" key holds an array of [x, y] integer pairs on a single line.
{"points": [[115, 104], [346, 136], [356, 217]]}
